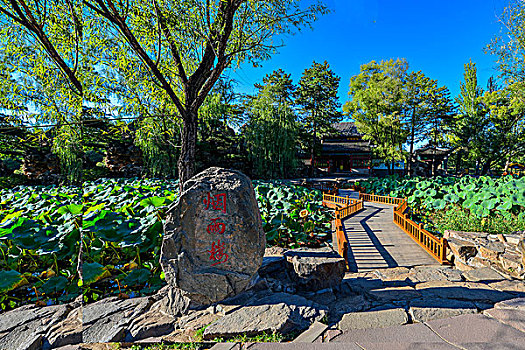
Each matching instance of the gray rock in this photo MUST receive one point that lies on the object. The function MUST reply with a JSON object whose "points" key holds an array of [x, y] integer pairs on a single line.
{"points": [[462, 249], [512, 317], [395, 293], [346, 305], [151, 324], [516, 304], [278, 312], [431, 273], [315, 269], [67, 332], [25, 327], [491, 250], [214, 241], [423, 310], [483, 274], [254, 320], [513, 286], [373, 319]]}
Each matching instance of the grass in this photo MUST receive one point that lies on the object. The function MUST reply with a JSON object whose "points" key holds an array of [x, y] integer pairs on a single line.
{"points": [[459, 219]]}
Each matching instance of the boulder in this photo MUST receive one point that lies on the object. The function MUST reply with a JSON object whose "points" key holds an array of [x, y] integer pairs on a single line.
{"points": [[315, 269], [213, 238], [491, 250], [279, 312], [462, 249], [511, 263]]}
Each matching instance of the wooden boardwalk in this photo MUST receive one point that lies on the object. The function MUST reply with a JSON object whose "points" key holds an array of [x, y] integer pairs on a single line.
{"points": [[376, 242]]}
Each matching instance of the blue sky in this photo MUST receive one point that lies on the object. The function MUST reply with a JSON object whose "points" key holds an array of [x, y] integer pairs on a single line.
{"points": [[436, 36]]}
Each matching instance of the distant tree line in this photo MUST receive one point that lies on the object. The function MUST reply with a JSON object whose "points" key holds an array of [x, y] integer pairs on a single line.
{"points": [[138, 89]]}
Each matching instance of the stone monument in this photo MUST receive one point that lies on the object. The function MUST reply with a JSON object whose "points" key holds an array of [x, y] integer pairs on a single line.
{"points": [[213, 238]]}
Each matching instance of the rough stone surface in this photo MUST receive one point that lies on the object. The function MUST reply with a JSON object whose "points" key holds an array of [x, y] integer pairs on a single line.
{"points": [[214, 241], [67, 332], [315, 269], [512, 286], [514, 318], [517, 304], [462, 249], [279, 312], [483, 274], [477, 250], [492, 250], [423, 310], [432, 273], [373, 319]]}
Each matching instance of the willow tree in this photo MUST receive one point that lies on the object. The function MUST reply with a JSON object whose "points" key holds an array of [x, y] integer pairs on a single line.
{"points": [[271, 130], [185, 45], [43, 56]]}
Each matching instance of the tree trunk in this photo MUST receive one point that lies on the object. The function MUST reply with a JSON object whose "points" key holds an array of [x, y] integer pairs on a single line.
{"points": [[486, 167], [312, 151], [186, 163], [458, 162], [507, 165], [411, 155]]}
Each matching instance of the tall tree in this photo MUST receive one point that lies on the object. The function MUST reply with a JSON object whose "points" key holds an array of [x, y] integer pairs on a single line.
{"points": [[318, 101], [43, 47], [467, 126], [184, 46], [425, 106], [271, 131], [503, 135], [376, 105], [510, 45]]}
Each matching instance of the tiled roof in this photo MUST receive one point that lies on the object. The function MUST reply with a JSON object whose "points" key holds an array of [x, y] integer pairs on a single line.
{"points": [[345, 147], [346, 129]]}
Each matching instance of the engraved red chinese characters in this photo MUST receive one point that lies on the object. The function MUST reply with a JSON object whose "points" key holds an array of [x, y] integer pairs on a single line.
{"points": [[217, 202], [216, 226], [217, 253]]}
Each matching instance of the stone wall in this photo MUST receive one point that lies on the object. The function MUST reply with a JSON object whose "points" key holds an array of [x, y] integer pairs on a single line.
{"points": [[504, 253]]}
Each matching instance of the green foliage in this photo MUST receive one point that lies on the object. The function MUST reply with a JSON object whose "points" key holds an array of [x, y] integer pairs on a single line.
{"points": [[122, 226], [376, 103], [271, 131], [292, 215], [510, 45], [485, 203], [318, 102], [426, 107]]}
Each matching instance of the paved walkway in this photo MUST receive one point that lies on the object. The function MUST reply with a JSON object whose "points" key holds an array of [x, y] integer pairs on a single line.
{"points": [[376, 242]]}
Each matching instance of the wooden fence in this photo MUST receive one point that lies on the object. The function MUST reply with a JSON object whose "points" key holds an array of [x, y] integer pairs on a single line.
{"points": [[380, 199], [436, 247], [325, 187], [344, 207]]}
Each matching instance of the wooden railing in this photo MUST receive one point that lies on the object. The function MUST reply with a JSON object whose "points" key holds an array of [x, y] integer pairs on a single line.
{"points": [[380, 199], [344, 207], [436, 247], [330, 188]]}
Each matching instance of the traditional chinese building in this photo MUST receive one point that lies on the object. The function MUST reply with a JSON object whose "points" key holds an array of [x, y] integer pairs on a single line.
{"points": [[434, 159], [345, 151]]}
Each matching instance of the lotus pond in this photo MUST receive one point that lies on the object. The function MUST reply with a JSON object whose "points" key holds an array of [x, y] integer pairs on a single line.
{"points": [[121, 225], [494, 205]]}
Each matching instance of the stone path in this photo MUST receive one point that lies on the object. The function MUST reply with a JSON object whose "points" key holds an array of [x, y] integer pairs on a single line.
{"points": [[376, 242], [424, 307]]}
